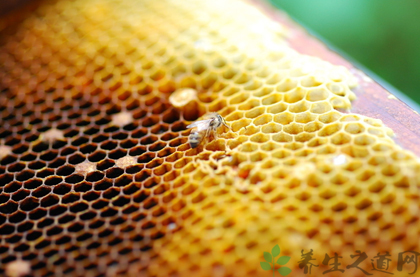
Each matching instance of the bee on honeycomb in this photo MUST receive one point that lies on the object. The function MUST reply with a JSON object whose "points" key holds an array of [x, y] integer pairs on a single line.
{"points": [[206, 128]]}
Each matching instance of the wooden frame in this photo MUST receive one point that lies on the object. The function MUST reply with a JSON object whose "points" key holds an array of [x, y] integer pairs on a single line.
{"points": [[372, 99]]}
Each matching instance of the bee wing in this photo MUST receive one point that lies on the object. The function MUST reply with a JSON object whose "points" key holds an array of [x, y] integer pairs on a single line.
{"points": [[201, 124]]}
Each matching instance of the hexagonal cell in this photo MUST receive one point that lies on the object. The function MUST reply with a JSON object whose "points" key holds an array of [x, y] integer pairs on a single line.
{"points": [[238, 125], [50, 200], [271, 128], [330, 129], [12, 187], [303, 137], [263, 119], [41, 191], [248, 147], [258, 156], [390, 170], [25, 175], [295, 95], [281, 154], [321, 107], [282, 137], [299, 107], [284, 118], [277, 108], [293, 128], [354, 128], [260, 138], [253, 113], [364, 140], [272, 99], [317, 94], [287, 85], [304, 152], [340, 138]]}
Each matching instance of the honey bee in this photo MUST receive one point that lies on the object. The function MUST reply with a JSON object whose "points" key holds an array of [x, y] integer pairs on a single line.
{"points": [[205, 128]]}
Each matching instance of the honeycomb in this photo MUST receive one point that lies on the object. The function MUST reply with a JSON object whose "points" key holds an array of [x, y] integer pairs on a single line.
{"points": [[97, 177]]}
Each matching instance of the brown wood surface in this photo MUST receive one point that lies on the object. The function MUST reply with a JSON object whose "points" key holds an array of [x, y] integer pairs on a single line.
{"points": [[372, 99]]}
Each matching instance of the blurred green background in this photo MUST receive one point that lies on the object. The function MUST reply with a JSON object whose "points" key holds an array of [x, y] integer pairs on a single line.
{"points": [[382, 35]]}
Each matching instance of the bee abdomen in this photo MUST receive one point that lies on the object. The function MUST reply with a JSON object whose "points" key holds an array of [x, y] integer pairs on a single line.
{"points": [[195, 139]]}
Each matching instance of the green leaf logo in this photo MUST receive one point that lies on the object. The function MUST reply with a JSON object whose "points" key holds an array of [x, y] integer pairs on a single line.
{"points": [[269, 263], [284, 271], [275, 251], [265, 266], [267, 257], [283, 260]]}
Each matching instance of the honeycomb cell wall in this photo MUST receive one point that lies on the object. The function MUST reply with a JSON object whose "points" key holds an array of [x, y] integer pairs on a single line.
{"points": [[97, 177]]}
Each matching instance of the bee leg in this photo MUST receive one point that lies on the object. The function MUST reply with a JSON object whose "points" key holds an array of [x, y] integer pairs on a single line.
{"points": [[207, 135], [224, 123], [214, 133]]}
